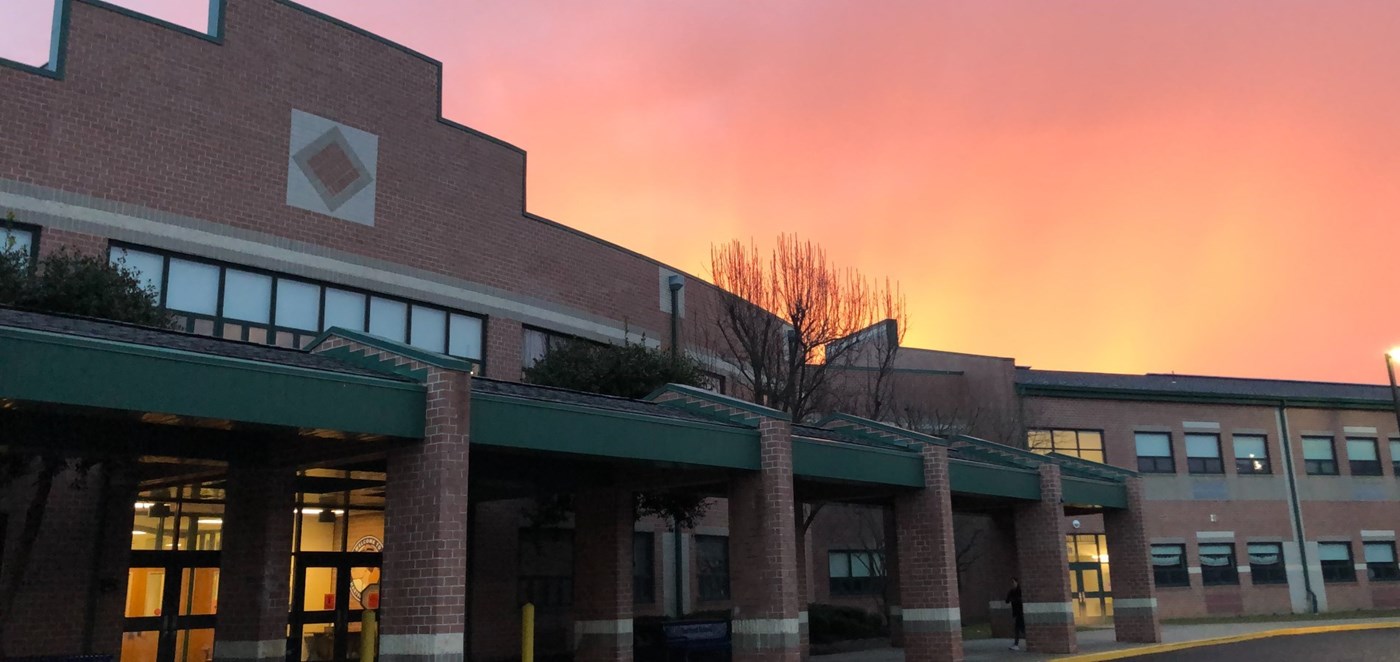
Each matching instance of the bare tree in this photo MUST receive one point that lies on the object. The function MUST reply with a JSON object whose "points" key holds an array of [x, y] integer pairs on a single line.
{"points": [[785, 321]]}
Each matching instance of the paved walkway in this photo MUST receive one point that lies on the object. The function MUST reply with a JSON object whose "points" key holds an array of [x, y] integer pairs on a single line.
{"points": [[1094, 641]]}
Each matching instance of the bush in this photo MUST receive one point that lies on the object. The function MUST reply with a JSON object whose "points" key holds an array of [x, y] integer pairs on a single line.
{"points": [[830, 623]]}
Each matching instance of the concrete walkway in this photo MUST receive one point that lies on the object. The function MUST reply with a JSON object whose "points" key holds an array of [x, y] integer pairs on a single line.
{"points": [[1096, 641]]}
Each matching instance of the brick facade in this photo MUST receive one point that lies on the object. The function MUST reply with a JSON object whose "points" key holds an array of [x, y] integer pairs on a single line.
{"points": [[763, 552], [1040, 552], [253, 568], [603, 575], [1134, 598]]}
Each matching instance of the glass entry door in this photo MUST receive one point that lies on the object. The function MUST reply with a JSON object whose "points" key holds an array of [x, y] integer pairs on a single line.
{"points": [[330, 593], [171, 602]]}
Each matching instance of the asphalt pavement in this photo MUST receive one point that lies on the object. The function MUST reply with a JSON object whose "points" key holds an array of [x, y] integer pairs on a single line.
{"points": [[1356, 645]]}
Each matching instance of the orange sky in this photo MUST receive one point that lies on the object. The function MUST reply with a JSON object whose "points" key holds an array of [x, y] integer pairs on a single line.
{"points": [[1190, 185]]}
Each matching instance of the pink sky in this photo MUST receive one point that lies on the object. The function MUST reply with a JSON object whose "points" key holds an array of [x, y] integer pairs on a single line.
{"points": [[1190, 185]]}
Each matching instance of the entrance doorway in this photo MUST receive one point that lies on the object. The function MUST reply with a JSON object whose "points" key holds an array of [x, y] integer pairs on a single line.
{"points": [[1089, 580], [170, 606], [331, 592]]}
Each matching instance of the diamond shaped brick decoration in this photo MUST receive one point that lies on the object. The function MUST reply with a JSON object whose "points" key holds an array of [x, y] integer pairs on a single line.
{"points": [[331, 169]]}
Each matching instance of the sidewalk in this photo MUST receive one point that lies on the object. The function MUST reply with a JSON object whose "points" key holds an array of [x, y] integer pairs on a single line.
{"points": [[1099, 641]]}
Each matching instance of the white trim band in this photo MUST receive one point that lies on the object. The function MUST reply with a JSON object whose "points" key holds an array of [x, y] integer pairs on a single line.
{"points": [[421, 644], [803, 617], [939, 614], [250, 650], [763, 626], [1378, 534], [1199, 425], [1358, 429], [1049, 608], [1215, 535], [1135, 603]]}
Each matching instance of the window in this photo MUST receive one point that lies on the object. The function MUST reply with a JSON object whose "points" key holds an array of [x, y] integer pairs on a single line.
{"points": [[1336, 562], [712, 564], [1361, 455], [1203, 454], [1218, 565], [1380, 562], [546, 577], [1083, 444], [643, 568], [1169, 566], [20, 239], [1154, 452], [264, 307], [856, 573], [1251, 454], [1318, 459], [1266, 563], [536, 343], [1395, 458]]}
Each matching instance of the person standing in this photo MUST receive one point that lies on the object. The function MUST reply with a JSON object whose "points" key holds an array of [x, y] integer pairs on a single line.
{"points": [[1018, 613]]}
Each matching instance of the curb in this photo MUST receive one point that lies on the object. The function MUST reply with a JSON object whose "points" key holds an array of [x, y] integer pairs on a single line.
{"points": [[1216, 641]]}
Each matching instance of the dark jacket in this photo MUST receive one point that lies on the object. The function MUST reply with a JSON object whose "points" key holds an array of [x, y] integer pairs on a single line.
{"points": [[1013, 597]]}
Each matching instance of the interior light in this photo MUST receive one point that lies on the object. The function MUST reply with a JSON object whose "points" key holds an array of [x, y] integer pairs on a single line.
{"points": [[311, 511], [144, 505], [134, 532], [210, 520]]}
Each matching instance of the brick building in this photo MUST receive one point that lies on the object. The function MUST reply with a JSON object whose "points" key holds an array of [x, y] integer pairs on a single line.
{"points": [[340, 427]]}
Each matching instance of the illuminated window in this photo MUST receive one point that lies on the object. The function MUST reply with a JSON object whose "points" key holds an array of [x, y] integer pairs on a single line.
{"points": [[1083, 444], [1251, 454]]}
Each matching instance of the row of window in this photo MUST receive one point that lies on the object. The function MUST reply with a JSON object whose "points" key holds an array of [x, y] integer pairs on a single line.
{"points": [[21, 239], [1204, 454], [1219, 568], [856, 572]]}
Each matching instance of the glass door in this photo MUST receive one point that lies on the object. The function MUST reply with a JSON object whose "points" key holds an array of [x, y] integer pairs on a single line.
{"points": [[331, 592], [171, 602]]}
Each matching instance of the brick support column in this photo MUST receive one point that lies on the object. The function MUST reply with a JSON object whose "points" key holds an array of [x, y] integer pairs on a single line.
{"points": [[1040, 553], [804, 591], [928, 569], [893, 609], [603, 575], [255, 564], [1134, 597], [763, 553], [423, 617]]}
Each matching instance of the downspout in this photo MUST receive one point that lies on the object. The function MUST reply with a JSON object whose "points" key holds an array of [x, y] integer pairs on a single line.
{"points": [[677, 540], [1294, 506]]}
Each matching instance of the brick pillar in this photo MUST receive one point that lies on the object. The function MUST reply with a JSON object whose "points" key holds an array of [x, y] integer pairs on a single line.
{"points": [[1040, 552], [763, 553], [423, 613], [108, 608], [603, 575], [804, 592], [928, 568], [255, 564], [893, 610], [1130, 557]]}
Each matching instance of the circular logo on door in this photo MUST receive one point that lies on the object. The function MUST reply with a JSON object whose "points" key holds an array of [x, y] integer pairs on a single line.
{"points": [[364, 582]]}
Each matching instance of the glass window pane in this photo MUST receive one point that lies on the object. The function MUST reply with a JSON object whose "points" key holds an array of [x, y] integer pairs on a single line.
{"points": [[298, 304], [1395, 451], [1064, 440], [1091, 440], [1380, 552], [1334, 551], [1361, 449], [1092, 456], [1215, 555], [1249, 446], [429, 329], [344, 309], [1166, 555], [1264, 553], [465, 338], [1153, 444], [147, 267], [860, 565], [247, 296], [15, 239], [388, 318], [1317, 448], [1038, 440], [1202, 445], [838, 564], [193, 287]]}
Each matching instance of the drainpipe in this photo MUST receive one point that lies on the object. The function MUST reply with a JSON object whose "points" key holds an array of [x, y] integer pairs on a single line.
{"points": [[1294, 506], [677, 540]]}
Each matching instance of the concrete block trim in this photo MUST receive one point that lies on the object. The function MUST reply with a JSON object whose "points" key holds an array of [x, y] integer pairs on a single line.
{"points": [[1135, 603], [1049, 613], [943, 619], [606, 633], [1358, 429], [766, 634], [415, 645], [998, 604], [803, 617], [896, 611], [248, 651], [1200, 425], [1216, 535], [1377, 535]]}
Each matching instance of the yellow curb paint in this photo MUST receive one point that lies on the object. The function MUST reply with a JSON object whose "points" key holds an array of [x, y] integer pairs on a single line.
{"points": [[1198, 643]]}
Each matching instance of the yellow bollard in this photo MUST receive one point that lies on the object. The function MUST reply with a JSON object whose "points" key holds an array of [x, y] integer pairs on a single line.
{"points": [[527, 633], [369, 636]]}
